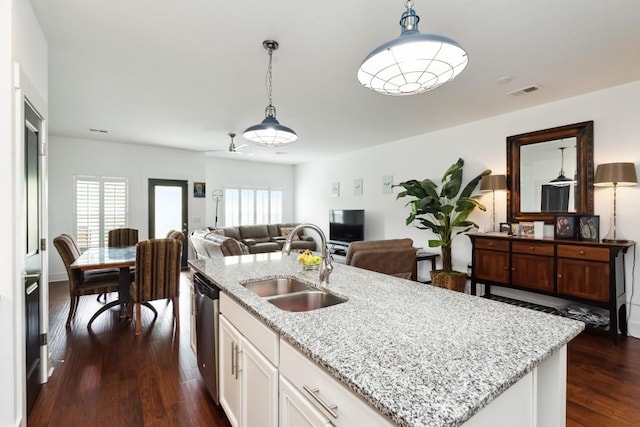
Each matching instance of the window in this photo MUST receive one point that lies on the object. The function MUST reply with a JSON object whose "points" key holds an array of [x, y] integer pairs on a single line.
{"points": [[248, 206], [100, 206]]}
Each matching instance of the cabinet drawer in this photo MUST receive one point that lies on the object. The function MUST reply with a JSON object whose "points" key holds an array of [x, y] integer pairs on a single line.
{"points": [[583, 252], [532, 248], [495, 244], [311, 380], [264, 338]]}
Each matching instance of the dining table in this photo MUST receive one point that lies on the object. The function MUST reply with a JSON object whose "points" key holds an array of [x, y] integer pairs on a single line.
{"points": [[122, 258]]}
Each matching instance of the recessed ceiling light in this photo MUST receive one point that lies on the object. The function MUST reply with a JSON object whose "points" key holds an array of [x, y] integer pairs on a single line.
{"points": [[98, 130]]}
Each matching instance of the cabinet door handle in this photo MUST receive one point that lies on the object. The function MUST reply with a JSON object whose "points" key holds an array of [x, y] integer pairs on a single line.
{"points": [[233, 358], [238, 360], [559, 276], [331, 409], [513, 269], [505, 268]]}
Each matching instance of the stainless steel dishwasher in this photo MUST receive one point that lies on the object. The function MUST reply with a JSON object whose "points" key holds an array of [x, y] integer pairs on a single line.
{"points": [[207, 310]]}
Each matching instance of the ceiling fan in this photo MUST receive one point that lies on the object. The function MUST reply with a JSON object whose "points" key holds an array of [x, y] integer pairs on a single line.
{"points": [[233, 149]]}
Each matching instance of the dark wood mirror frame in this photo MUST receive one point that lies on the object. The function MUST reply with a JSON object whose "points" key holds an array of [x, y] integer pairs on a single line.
{"points": [[583, 132]]}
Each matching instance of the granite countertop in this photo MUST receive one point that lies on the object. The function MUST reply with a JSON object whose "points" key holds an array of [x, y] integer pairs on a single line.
{"points": [[421, 355]]}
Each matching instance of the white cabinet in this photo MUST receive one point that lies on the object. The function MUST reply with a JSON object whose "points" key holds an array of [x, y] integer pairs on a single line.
{"points": [[229, 344], [296, 410], [326, 394], [248, 379]]}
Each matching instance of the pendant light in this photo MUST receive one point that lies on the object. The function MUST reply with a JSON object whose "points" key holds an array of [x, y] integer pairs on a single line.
{"points": [[412, 63], [270, 132], [562, 180]]}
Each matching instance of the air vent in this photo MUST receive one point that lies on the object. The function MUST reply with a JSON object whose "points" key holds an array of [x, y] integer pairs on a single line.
{"points": [[524, 90], [98, 130]]}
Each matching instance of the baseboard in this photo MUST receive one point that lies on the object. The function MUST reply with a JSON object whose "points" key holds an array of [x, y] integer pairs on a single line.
{"points": [[58, 277], [633, 325]]}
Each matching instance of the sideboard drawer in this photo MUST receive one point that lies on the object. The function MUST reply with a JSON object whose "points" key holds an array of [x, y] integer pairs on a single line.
{"points": [[494, 244], [583, 252], [532, 248]]}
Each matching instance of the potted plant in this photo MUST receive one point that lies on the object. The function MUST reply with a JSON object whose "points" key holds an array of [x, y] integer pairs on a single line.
{"points": [[445, 212]]}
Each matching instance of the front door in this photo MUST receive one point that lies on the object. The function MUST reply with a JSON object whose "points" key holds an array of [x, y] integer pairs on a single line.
{"points": [[33, 258], [168, 209]]}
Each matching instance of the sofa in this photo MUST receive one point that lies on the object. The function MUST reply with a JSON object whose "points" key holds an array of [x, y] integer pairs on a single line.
{"points": [[247, 239]]}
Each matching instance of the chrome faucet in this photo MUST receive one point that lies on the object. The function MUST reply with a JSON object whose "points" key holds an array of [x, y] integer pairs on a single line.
{"points": [[325, 267]]}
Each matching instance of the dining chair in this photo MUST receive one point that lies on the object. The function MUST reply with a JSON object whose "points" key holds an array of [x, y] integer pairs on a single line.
{"points": [[175, 234], [157, 276], [81, 283], [396, 257], [120, 237]]}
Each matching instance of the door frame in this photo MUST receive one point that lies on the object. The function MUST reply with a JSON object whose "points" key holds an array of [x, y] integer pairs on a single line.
{"points": [[184, 184], [24, 91]]}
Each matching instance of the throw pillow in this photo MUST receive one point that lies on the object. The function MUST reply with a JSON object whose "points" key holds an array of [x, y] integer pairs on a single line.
{"points": [[244, 248], [218, 231], [286, 231]]}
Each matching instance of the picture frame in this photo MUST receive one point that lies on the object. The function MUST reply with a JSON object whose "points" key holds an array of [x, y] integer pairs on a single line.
{"points": [[505, 227], [589, 228], [527, 229], [335, 189], [565, 227], [387, 184], [199, 190], [357, 187]]}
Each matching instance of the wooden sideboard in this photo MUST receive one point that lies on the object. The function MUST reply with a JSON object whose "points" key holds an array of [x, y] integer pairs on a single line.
{"points": [[587, 272]]}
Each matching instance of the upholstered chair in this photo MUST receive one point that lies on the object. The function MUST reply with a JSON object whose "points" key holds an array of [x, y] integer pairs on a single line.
{"points": [[175, 234], [79, 282], [157, 276], [396, 257], [120, 237]]}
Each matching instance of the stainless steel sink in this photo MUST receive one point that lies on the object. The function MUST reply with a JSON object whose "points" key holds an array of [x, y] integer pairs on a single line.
{"points": [[280, 286], [306, 300]]}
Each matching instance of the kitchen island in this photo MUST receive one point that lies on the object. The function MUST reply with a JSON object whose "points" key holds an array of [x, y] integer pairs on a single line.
{"points": [[419, 355]]}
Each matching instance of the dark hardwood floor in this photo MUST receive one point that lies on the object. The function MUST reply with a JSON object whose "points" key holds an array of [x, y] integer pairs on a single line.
{"points": [[106, 377]]}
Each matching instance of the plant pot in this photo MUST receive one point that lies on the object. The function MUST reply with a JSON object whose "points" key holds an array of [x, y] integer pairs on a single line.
{"points": [[452, 280]]}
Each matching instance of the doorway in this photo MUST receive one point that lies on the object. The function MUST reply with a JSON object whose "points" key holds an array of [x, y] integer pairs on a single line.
{"points": [[168, 209], [33, 151]]}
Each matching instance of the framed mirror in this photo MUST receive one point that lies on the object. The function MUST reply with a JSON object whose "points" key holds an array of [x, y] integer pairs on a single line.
{"points": [[550, 172]]}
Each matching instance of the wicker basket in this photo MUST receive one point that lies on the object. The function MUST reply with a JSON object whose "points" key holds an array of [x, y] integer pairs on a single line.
{"points": [[453, 280]]}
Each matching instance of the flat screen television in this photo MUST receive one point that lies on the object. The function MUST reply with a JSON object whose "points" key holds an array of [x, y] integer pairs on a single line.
{"points": [[346, 225]]}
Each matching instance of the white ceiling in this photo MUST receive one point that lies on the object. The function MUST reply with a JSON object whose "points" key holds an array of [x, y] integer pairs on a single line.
{"points": [[185, 73]]}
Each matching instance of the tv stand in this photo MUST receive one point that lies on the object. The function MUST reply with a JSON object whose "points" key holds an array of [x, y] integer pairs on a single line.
{"points": [[338, 248]]}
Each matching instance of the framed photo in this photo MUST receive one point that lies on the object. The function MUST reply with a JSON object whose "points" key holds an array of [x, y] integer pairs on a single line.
{"points": [[387, 184], [357, 187], [505, 227], [565, 227], [589, 228], [527, 229], [199, 189], [335, 189]]}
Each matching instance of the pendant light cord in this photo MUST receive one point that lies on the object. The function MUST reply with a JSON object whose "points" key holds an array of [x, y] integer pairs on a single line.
{"points": [[268, 79]]}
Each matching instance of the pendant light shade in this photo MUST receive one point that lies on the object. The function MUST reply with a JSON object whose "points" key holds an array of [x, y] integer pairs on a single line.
{"points": [[562, 180], [270, 132], [412, 63]]}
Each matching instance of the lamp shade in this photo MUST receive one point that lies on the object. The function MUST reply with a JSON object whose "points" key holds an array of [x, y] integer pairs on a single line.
{"points": [[493, 182], [619, 174], [413, 62]]}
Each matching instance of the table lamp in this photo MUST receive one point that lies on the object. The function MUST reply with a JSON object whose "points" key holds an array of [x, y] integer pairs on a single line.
{"points": [[615, 175], [493, 183]]}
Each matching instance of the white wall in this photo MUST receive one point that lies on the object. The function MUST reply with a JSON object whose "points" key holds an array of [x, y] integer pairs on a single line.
{"points": [[223, 173], [137, 163], [21, 43], [482, 145]]}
